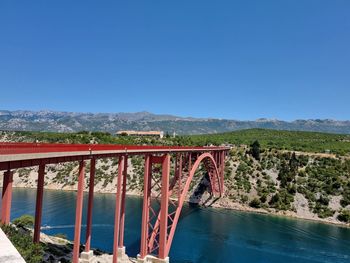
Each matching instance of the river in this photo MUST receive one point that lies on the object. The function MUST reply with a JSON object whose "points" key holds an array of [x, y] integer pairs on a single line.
{"points": [[204, 235]]}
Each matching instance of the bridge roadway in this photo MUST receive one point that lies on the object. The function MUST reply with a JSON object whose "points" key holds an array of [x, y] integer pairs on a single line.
{"points": [[17, 155], [158, 226]]}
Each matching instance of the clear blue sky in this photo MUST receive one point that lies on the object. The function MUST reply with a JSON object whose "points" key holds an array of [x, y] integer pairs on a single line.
{"points": [[241, 59]]}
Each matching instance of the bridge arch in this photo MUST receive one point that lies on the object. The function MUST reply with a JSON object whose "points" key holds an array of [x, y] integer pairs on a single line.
{"points": [[211, 167], [161, 231]]}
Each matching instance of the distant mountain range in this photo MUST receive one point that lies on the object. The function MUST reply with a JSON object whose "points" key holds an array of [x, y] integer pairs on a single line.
{"points": [[111, 122]]}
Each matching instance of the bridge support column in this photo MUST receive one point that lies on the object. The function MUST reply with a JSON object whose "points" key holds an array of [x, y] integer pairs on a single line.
{"points": [[6, 197], [117, 209], [122, 256], [39, 203], [88, 256], [146, 204], [78, 213], [122, 215], [163, 225], [90, 204]]}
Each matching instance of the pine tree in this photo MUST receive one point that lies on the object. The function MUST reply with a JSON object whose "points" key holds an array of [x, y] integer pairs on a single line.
{"points": [[255, 150]]}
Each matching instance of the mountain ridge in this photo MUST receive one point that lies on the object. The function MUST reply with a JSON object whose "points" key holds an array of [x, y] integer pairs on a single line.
{"points": [[61, 121]]}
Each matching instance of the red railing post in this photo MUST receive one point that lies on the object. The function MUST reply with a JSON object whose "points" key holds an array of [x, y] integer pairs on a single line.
{"points": [[78, 212], [39, 203], [90, 204], [117, 209], [6, 197], [163, 226], [146, 204]]}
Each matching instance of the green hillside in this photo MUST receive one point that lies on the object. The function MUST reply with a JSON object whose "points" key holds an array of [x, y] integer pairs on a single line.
{"points": [[268, 139], [288, 140], [259, 175]]}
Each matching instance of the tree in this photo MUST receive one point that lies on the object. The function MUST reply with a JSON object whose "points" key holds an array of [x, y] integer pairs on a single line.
{"points": [[255, 150], [293, 163]]}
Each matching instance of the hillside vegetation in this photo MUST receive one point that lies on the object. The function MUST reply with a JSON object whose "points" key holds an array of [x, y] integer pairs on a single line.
{"points": [[268, 139], [305, 174], [283, 140]]}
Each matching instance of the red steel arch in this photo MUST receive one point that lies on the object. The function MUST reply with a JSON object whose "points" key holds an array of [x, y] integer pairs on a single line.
{"points": [[159, 226]]}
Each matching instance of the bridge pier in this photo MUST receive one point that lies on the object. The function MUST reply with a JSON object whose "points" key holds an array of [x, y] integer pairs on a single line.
{"points": [[122, 256], [6, 197], [151, 259], [39, 203], [122, 212], [78, 212], [118, 205], [87, 257], [90, 204]]}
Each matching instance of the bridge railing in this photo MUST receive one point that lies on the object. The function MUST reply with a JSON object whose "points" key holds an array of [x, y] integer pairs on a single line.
{"points": [[22, 148]]}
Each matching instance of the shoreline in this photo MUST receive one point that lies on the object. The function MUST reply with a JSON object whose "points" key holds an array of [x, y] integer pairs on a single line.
{"points": [[281, 214], [233, 206]]}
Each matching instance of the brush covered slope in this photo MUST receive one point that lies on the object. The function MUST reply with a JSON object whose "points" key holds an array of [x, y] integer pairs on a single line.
{"points": [[301, 174]]}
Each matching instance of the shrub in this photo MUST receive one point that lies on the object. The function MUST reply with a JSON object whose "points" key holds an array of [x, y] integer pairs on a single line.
{"points": [[244, 198], [292, 189], [346, 198], [344, 216], [323, 211], [282, 200], [256, 203], [263, 198], [24, 221], [323, 200]]}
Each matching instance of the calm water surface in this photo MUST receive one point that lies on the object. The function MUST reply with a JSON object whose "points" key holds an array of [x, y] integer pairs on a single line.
{"points": [[203, 235]]}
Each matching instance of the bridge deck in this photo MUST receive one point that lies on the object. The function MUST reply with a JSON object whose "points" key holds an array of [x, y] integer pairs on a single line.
{"points": [[18, 155]]}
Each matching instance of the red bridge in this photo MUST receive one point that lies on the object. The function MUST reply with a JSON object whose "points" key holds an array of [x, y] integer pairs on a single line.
{"points": [[170, 188]]}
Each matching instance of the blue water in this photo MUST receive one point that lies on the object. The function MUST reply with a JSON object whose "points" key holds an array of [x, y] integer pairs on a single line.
{"points": [[203, 235]]}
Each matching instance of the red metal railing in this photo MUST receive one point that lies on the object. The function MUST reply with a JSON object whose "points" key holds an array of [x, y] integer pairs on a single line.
{"points": [[22, 148]]}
